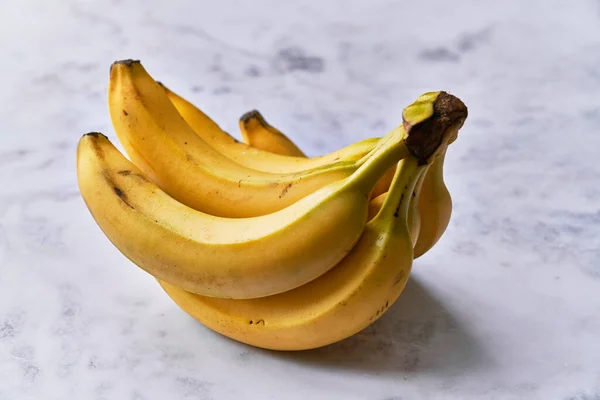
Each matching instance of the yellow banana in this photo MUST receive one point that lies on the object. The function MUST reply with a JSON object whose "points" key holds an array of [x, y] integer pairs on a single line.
{"points": [[334, 306], [227, 257], [435, 205], [256, 132], [256, 158]]}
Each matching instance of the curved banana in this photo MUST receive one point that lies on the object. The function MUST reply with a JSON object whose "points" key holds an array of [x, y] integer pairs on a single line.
{"points": [[181, 163], [364, 284], [347, 299], [227, 257], [256, 158], [435, 205], [258, 133]]}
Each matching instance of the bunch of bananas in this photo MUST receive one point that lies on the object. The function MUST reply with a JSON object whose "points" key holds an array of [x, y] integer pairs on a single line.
{"points": [[255, 240]]}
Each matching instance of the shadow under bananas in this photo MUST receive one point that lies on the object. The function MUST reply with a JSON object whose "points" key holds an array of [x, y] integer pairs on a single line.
{"points": [[417, 335]]}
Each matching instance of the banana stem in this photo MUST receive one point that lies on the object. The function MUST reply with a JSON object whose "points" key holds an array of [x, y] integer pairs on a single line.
{"points": [[373, 168], [397, 202]]}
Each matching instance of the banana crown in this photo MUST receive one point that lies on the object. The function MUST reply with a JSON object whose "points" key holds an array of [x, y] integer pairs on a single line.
{"points": [[433, 119]]}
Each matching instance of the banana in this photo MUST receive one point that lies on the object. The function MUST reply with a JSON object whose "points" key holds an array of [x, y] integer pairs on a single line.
{"points": [[258, 133], [347, 299], [253, 157], [435, 206], [362, 287], [171, 154], [227, 257]]}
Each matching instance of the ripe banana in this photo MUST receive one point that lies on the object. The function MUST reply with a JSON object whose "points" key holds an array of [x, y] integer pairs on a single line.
{"points": [[182, 164], [227, 257], [347, 299], [258, 133], [256, 158]]}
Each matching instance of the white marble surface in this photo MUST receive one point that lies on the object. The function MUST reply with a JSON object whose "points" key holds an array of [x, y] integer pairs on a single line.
{"points": [[507, 306]]}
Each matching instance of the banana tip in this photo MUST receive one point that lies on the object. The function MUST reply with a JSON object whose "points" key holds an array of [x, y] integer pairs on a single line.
{"points": [[252, 114], [127, 63], [95, 135]]}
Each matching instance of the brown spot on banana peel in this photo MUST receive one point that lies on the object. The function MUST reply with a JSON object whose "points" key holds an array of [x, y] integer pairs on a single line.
{"points": [[397, 212], [94, 136], [424, 138], [125, 113], [286, 189], [130, 174], [116, 190]]}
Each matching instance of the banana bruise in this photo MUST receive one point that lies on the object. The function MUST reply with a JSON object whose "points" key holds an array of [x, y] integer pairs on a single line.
{"points": [[252, 126], [226, 257], [181, 163], [347, 299]]}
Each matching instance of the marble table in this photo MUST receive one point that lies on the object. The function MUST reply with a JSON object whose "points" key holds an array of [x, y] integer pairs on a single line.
{"points": [[507, 306]]}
